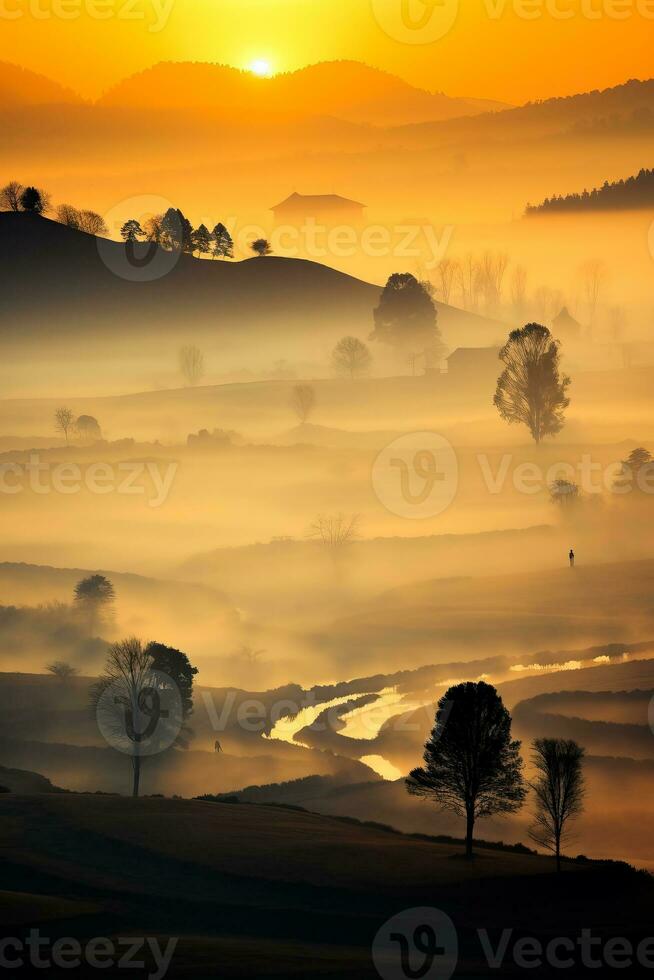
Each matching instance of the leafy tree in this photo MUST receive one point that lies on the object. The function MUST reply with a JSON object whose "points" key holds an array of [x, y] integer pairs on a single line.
{"points": [[88, 428], [176, 664], [471, 765], [261, 247], [531, 389], [94, 597], [406, 317], [132, 231], [202, 240], [303, 401], [177, 231], [223, 243], [64, 419], [191, 363], [636, 472], [62, 670], [559, 791], [33, 200], [351, 357], [565, 493], [10, 196]]}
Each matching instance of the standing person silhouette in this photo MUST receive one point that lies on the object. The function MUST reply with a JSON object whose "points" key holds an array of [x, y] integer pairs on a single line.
{"points": [[571, 556]]}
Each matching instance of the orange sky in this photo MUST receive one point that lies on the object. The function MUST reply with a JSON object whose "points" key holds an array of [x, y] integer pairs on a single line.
{"points": [[513, 50]]}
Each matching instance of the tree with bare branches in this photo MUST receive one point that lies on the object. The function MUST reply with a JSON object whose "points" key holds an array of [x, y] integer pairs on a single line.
{"points": [[61, 670], [191, 364], [559, 791], [64, 420], [351, 358], [303, 401], [10, 196], [335, 530]]}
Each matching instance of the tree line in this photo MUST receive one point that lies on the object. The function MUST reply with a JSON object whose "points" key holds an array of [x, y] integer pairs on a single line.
{"points": [[634, 192]]}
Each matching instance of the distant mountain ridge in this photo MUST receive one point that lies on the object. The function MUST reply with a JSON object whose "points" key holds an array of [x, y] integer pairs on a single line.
{"points": [[634, 192]]}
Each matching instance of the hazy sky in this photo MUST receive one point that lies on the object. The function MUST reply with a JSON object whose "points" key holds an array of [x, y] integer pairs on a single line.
{"points": [[513, 50]]}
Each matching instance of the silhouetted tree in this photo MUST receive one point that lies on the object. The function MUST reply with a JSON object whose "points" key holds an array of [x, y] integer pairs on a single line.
{"points": [[153, 229], [202, 240], [531, 389], [88, 428], [176, 664], [191, 363], [67, 215], [62, 670], [303, 400], [351, 357], [143, 699], [261, 247], [335, 530], [132, 231], [406, 315], [471, 765], [33, 200], [92, 223], [64, 419], [559, 791], [636, 471], [565, 493], [223, 244], [10, 196], [94, 596], [177, 231]]}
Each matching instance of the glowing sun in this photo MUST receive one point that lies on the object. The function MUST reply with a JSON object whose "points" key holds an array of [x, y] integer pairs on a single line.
{"points": [[260, 67]]}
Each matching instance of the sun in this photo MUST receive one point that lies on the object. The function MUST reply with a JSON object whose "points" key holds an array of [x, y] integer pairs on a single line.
{"points": [[260, 67]]}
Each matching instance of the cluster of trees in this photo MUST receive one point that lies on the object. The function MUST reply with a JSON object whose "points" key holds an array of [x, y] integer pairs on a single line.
{"points": [[16, 197], [634, 192], [130, 691], [636, 476], [174, 231], [85, 427], [473, 767]]}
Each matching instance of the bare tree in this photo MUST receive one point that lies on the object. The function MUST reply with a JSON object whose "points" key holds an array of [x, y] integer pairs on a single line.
{"points": [[335, 530], [10, 196], [191, 363], [351, 357], [62, 670], [594, 276], [519, 290], [303, 401], [67, 215], [559, 791], [446, 271], [154, 229], [64, 419], [467, 275], [92, 223]]}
